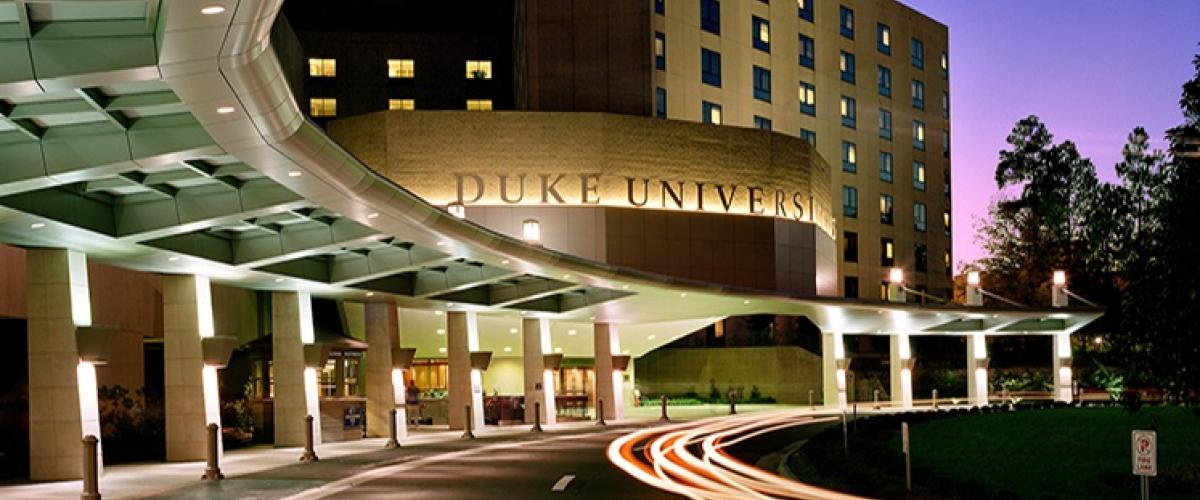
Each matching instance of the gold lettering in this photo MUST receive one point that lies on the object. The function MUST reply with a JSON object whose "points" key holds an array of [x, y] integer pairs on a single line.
{"points": [[589, 186], [755, 199], [727, 202], [504, 188], [550, 188], [462, 199], [667, 190], [645, 191]]}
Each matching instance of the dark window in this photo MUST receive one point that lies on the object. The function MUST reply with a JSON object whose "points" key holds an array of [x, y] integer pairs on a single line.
{"points": [[921, 257], [808, 52], [883, 38], [887, 252], [660, 102], [850, 201], [885, 124], [850, 246], [918, 54], [847, 22], [660, 50], [762, 84], [710, 67], [809, 136], [885, 81], [804, 9], [760, 33], [885, 166], [919, 218], [850, 287], [710, 16], [918, 94], [659, 7], [762, 122]]}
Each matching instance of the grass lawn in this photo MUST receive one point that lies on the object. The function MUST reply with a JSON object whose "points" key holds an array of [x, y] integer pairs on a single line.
{"points": [[1062, 453]]}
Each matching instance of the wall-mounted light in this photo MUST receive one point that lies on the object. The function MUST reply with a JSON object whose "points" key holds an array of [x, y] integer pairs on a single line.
{"points": [[973, 278], [896, 276], [1060, 278], [212, 10], [457, 210], [531, 231]]}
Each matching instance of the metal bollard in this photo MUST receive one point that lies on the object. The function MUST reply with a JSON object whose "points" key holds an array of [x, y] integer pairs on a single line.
{"points": [[600, 412], [309, 455], [664, 417], [468, 434], [537, 417], [732, 402], [91, 474], [855, 417], [935, 402], [393, 432], [811, 406], [845, 436], [213, 471], [876, 399]]}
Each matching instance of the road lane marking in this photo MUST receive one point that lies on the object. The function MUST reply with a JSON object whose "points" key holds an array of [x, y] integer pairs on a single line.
{"points": [[562, 483]]}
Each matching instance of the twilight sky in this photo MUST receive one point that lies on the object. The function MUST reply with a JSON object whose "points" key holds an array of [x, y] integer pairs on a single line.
{"points": [[1091, 69]]}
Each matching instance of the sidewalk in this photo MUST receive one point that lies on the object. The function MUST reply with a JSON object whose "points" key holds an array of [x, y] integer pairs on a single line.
{"points": [[157, 478]]}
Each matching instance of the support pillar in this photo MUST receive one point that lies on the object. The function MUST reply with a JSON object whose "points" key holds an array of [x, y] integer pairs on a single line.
{"points": [[192, 400], [63, 404], [385, 385], [539, 382], [1063, 390], [466, 383], [834, 364], [609, 382], [296, 391], [901, 362], [977, 369]]}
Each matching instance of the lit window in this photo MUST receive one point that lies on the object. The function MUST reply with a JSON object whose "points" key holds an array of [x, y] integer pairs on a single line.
{"points": [[846, 65], [847, 22], [918, 94], [887, 252], [804, 9], [402, 104], [918, 54], [946, 221], [945, 65], [918, 132], [918, 176], [849, 157], [710, 16], [850, 201], [660, 50], [322, 67], [762, 84], [885, 124], [711, 112], [919, 216], [761, 31], [401, 68], [710, 67], [479, 104], [883, 38], [849, 112], [478, 70], [808, 53], [885, 209], [322, 107], [808, 98], [885, 166]]}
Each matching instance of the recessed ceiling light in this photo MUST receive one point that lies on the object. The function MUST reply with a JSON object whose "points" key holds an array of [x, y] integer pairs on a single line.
{"points": [[437, 313], [626, 351], [507, 349], [212, 10], [441, 331], [441, 349], [566, 276], [651, 336], [279, 280], [443, 243], [373, 215], [624, 287], [224, 110], [451, 304], [683, 295], [557, 349], [173, 258], [571, 332], [370, 294], [512, 330], [295, 173], [37, 225], [746, 301], [505, 261]]}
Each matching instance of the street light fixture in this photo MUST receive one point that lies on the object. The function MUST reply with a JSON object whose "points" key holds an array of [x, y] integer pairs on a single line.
{"points": [[531, 231]]}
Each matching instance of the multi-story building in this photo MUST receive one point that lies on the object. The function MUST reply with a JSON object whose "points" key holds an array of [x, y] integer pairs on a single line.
{"points": [[866, 82]]}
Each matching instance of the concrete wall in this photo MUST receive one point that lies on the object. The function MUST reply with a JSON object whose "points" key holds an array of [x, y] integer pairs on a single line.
{"points": [[785, 373]]}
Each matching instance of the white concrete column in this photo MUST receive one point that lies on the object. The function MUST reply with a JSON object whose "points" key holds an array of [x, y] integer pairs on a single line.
{"points": [[63, 404], [609, 382], [834, 364], [977, 369], [1062, 367], [539, 382], [385, 385], [466, 383], [901, 362], [192, 398], [296, 391]]}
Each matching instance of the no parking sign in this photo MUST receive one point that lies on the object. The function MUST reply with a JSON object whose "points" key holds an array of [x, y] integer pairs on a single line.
{"points": [[1145, 453]]}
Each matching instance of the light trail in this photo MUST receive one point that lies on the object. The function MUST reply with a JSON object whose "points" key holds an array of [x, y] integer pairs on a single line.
{"points": [[689, 458]]}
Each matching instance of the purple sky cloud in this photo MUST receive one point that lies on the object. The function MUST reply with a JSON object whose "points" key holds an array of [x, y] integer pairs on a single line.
{"points": [[1091, 69]]}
